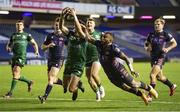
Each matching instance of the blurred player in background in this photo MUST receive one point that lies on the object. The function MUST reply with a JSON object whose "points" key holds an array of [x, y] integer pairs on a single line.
{"points": [[76, 48], [17, 45], [115, 71], [54, 42], [92, 61], [158, 44]]}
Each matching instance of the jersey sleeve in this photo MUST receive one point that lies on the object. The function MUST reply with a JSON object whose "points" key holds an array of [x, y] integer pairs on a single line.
{"points": [[168, 37], [29, 37], [97, 43], [10, 41], [116, 50], [47, 40], [149, 38]]}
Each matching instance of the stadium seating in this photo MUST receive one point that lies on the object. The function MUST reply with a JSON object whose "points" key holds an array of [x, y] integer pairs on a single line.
{"points": [[133, 37], [130, 39], [151, 3]]}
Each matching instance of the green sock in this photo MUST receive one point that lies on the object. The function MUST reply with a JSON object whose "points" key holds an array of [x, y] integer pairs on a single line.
{"points": [[13, 84], [22, 78]]}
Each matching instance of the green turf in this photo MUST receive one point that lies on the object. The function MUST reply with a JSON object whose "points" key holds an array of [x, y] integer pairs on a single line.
{"points": [[115, 99]]}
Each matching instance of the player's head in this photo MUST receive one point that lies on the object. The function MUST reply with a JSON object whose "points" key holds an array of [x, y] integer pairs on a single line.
{"points": [[107, 38], [19, 25], [159, 24], [90, 24], [56, 24]]}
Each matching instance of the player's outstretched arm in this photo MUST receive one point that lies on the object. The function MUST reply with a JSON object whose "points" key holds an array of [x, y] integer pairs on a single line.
{"points": [[62, 26], [35, 47], [77, 24], [126, 59], [88, 37]]}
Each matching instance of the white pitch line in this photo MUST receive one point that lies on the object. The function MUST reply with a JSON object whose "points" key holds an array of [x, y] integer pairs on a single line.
{"points": [[63, 99]]}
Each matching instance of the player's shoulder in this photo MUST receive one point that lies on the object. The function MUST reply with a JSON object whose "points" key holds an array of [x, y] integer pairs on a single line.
{"points": [[26, 34], [98, 32], [167, 34], [116, 47], [50, 34], [151, 34], [13, 34]]}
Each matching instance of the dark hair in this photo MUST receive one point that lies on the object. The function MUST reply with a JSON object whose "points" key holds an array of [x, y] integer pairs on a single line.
{"points": [[19, 21], [90, 19], [161, 20], [110, 35]]}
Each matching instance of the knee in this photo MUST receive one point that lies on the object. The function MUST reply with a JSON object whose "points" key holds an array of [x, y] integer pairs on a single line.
{"points": [[51, 80], [152, 76], [162, 78], [124, 87], [135, 84], [72, 89]]}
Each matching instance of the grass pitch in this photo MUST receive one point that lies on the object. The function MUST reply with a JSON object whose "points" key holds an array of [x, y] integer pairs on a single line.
{"points": [[115, 99]]}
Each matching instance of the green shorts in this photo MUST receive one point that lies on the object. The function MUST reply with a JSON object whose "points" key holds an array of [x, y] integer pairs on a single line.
{"points": [[90, 62], [18, 62], [76, 69]]}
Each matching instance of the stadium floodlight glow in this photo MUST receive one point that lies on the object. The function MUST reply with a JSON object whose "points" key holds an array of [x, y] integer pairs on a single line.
{"points": [[169, 17], [128, 17], [94, 16], [110, 16], [27, 14], [4, 12], [146, 17]]}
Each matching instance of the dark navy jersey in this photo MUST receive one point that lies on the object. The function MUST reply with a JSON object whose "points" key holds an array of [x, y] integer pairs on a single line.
{"points": [[109, 59], [108, 53], [158, 41], [56, 52]]}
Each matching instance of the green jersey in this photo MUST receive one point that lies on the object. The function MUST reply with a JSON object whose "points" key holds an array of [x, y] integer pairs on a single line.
{"points": [[19, 42], [76, 54], [92, 53]]}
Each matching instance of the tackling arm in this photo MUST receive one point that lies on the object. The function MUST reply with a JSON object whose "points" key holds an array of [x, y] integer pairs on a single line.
{"points": [[126, 59]]}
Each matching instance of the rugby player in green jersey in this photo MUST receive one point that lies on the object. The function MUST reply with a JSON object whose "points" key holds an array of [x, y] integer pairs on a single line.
{"points": [[92, 61], [18, 44], [76, 47]]}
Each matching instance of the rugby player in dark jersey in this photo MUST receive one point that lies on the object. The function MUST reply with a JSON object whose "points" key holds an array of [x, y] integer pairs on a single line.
{"points": [[158, 44], [115, 71], [76, 47], [18, 44], [54, 42]]}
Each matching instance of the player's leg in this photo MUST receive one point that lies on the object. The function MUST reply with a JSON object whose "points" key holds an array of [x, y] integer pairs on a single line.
{"points": [[167, 82], [66, 81], [16, 75], [154, 72], [51, 77], [95, 68], [73, 86], [93, 84], [20, 62], [67, 76], [129, 89], [59, 65], [129, 80], [142, 85], [91, 81]]}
